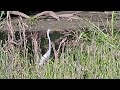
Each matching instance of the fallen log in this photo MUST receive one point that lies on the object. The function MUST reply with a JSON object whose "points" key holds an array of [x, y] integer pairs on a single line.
{"points": [[84, 18]]}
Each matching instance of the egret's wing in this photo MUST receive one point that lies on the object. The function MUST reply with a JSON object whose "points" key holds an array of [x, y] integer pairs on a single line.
{"points": [[44, 58], [42, 61]]}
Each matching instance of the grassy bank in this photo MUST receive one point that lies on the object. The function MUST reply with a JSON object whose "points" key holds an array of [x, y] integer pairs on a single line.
{"points": [[94, 53]]}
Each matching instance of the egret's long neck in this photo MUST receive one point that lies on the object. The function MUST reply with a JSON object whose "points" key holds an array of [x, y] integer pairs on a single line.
{"points": [[49, 41]]}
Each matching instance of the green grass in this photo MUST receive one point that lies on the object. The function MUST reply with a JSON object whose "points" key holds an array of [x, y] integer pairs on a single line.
{"points": [[96, 55]]}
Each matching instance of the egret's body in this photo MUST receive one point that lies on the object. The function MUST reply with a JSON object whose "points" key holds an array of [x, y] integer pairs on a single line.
{"points": [[46, 56]]}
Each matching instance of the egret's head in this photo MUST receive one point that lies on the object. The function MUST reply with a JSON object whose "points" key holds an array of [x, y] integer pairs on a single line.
{"points": [[48, 30]]}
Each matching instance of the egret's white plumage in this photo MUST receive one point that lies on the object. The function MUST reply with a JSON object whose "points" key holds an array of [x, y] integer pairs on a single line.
{"points": [[46, 56]]}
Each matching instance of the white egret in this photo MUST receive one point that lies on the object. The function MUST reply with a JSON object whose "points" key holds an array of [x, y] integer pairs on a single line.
{"points": [[46, 56]]}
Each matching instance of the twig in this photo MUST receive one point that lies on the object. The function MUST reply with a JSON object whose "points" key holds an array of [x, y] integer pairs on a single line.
{"points": [[19, 13], [56, 52], [10, 29], [35, 45], [51, 13]]}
